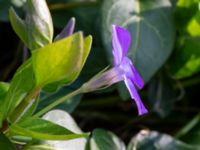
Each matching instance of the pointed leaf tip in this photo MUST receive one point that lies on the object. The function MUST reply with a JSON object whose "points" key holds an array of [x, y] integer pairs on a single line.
{"points": [[18, 25]]}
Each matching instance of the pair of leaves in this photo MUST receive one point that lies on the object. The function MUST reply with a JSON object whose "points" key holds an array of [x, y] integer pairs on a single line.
{"points": [[59, 62]]}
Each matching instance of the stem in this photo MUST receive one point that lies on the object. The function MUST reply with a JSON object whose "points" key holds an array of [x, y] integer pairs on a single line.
{"points": [[57, 102], [15, 116], [188, 127], [4, 127]]}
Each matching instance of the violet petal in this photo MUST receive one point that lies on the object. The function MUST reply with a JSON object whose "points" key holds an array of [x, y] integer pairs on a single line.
{"points": [[116, 57], [121, 41], [137, 79], [131, 72], [134, 95], [117, 52]]}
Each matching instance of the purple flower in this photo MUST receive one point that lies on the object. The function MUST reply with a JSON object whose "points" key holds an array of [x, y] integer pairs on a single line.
{"points": [[123, 69], [121, 40]]}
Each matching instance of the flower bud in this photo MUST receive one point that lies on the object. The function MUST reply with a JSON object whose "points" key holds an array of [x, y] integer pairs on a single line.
{"points": [[67, 31], [36, 30]]}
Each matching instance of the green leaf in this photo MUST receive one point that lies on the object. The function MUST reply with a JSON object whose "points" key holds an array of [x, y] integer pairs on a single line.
{"points": [[64, 119], [87, 46], [43, 129], [61, 61], [58, 61], [152, 140], [105, 140], [152, 30], [186, 60], [18, 90], [5, 143]]}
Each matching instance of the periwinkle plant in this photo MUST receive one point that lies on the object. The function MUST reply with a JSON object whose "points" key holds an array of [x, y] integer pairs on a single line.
{"points": [[55, 63]]}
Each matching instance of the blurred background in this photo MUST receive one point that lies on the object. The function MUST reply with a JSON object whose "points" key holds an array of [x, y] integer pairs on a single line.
{"points": [[165, 49]]}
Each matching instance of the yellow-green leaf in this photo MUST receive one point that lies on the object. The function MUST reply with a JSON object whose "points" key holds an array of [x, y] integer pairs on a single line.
{"points": [[59, 61]]}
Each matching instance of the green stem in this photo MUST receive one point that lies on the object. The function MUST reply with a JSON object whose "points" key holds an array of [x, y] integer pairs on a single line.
{"points": [[188, 127], [15, 116], [57, 102]]}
